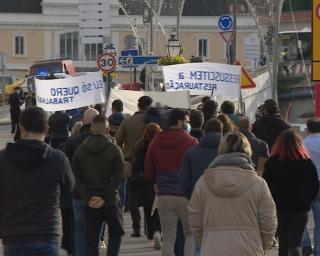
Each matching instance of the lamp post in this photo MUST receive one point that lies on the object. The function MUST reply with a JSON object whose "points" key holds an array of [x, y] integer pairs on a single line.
{"points": [[174, 46], [109, 48]]}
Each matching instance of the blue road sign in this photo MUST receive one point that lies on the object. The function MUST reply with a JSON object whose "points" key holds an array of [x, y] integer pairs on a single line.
{"points": [[131, 61], [225, 23], [133, 52]]}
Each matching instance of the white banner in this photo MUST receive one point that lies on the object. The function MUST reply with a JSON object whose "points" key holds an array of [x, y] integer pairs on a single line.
{"points": [[130, 99], [69, 93], [210, 79]]}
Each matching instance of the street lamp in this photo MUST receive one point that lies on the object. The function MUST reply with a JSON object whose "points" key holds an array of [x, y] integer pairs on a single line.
{"points": [[174, 46]]}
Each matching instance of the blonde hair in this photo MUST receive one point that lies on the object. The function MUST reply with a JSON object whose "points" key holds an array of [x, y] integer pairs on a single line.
{"points": [[235, 142]]}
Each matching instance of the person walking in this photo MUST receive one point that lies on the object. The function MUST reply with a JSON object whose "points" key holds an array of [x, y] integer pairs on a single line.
{"points": [[228, 125], [98, 167], [209, 109], [259, 147], [294, 184], [198, 157], [270, 125], [116, 118], [15, 103], [196, 122], [32, 177], [143, 190], [244, 223], [163, 162], [127, 135], [58, 128], [228, 108], [75, 201], [312, 144]]}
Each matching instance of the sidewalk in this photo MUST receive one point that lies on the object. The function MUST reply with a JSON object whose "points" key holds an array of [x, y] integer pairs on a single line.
{"points": [[4, 115]]}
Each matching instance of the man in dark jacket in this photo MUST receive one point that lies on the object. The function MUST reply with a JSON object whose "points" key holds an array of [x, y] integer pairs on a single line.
{"points": [[259, 147], [196, 122], [32, 177], [163, 162], [270, 125], [15, 103], [116, 118], [198, 157], [78, 205], [98, 166], [58, 128]]}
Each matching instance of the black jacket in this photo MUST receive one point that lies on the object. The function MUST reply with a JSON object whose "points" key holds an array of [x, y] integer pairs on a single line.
{"points": [[294, 184], [15, 103], [269, 127], [259, 147], [32, 177], [58, 125]]}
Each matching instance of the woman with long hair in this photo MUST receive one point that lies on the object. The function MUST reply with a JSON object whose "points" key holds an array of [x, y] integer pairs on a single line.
{"points": [[293, 182], [231, 208], [142, 191], [228, 125]]}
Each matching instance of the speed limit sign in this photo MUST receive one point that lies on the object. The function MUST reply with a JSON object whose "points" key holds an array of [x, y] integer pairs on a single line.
{"points": [[107, 62]]}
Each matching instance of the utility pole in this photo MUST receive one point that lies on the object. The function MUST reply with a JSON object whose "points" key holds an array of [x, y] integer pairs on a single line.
{"points": [[233, 50], [275, 55], [178, 17], [151, 26]]}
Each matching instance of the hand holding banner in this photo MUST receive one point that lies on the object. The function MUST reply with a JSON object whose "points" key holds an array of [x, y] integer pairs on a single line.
{"points": [[70, 93], [210, 79]]}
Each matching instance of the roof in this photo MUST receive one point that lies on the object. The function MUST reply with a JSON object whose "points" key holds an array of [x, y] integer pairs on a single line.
{"points": [[170, 7], [20, 6]]}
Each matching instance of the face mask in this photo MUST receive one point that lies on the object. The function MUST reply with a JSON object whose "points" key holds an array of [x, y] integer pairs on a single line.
{"points": [[187, 127]]}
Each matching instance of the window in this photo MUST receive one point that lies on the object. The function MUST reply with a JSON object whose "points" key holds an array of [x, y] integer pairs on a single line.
{"points": [[69, 45], [203, 47], [19, 45], [91, 51]]}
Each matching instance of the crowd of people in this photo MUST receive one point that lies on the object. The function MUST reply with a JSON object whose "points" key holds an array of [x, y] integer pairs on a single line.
{"points": [[194, 173]]}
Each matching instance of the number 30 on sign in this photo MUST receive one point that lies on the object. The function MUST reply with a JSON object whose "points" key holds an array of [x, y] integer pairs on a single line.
{"points": [[107, 62]]}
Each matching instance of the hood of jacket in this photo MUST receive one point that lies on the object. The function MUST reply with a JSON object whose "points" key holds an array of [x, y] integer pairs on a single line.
{"points": [[27, 154], [96, 143], [230, 175], [210, 140], [172, 138]]}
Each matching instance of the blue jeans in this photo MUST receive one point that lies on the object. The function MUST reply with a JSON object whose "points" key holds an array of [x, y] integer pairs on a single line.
{"points": [[79, 224], [306, 237], [34, 249], [197, 247]]}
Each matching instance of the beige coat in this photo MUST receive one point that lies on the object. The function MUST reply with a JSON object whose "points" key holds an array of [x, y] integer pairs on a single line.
{"points": [[232, 213]]}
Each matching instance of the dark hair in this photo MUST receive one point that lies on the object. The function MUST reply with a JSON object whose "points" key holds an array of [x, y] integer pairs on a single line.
{"points": [[244, 124], [228, 125], [289, 146], [34, 119], [313, 125], [228, 107], [148, 134], [98, 107], [213, 125], [144, 102], [175, 115], [117, 105], [271, 106], [196, 119], [99, 119], [210, 109], [205, 98]]}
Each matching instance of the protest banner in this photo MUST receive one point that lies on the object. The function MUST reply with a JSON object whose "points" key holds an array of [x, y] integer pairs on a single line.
{"points": [[130, 99], [211, 79], [69, 93]]}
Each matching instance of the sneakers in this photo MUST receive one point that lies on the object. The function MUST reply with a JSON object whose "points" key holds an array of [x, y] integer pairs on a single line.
{"points": [[103, 245], [306, 251], [157, 240]]}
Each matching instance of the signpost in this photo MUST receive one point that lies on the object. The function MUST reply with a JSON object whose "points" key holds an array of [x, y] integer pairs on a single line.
{"points": [[107, 62], [316, 51], [252, 49], [134, 61], [225, 24]]}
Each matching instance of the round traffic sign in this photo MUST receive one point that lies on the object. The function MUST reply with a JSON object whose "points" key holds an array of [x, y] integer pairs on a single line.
{"points": [[107, 62], [225, 23]]}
